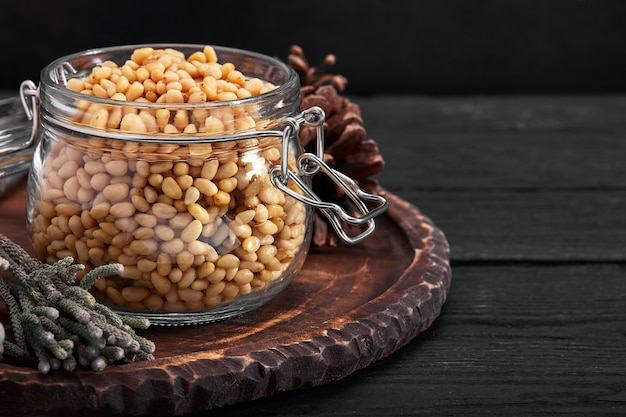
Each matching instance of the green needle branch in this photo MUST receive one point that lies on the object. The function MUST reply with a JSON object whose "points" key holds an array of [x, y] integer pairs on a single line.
{"points": [[61, 323]]}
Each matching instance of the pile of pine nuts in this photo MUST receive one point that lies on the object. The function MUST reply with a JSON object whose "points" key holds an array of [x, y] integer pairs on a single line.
{"points": [[165, 76], [195, 225]]}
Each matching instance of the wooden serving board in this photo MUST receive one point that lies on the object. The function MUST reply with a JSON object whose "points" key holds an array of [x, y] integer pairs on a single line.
{"points": [[348, 307]]}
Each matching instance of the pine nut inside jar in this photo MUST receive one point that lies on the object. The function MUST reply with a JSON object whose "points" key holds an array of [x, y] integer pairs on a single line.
{"points": [[159, 158]]}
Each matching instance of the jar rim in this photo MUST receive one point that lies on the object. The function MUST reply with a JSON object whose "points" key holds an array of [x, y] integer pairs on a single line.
{"points": [[47, 77]]}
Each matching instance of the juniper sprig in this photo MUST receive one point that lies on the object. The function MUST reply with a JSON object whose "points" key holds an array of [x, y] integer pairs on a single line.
{"points": [[61, 323]]}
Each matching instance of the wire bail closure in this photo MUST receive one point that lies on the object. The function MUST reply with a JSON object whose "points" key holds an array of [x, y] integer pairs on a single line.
{"points": [[29, 95], [310, 164]]}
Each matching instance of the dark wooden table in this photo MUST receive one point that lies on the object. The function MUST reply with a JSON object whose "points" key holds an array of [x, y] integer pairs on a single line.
{"points": [[531, 194]]}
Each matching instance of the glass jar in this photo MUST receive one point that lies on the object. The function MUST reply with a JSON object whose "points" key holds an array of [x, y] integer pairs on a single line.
{"points": [[207, 205]]}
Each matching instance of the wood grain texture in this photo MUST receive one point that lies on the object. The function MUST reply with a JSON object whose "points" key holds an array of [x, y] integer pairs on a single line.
{"points": [[512, 340], [512, 143], [349, 307], [557, 226], [524, 178]]}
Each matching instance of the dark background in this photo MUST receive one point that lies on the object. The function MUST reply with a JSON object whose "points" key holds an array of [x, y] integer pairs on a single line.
{"points": [[382, 46]]}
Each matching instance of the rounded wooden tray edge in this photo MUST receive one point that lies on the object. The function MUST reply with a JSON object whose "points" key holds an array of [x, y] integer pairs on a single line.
{"points": [[204, 380]]}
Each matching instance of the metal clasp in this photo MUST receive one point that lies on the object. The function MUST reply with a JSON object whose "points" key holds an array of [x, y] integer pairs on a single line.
{"points": [[310, 164], [29, 94]]}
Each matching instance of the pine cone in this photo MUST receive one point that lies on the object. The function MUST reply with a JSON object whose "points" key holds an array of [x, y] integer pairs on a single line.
{"points": [[346, 147]]}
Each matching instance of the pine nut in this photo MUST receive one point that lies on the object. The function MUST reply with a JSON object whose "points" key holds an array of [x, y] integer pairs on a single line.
{"points": [[135, 294]]}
